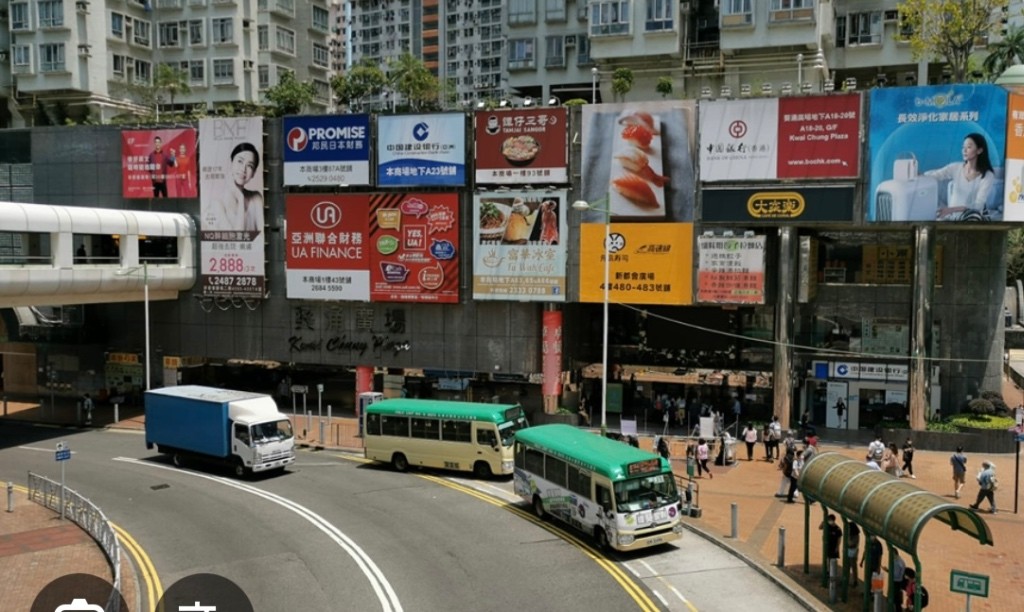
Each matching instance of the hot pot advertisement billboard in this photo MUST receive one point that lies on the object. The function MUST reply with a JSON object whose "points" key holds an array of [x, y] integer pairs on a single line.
{"points": [[522, 146]]}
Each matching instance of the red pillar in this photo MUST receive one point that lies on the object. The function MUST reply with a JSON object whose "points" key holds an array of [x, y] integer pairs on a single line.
{"points": [[551, 359]]}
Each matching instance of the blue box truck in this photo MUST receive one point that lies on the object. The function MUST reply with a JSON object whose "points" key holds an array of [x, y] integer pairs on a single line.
{"points": [[239, 428]]}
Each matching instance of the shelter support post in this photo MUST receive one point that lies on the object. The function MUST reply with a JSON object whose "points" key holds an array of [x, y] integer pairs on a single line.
{"points": [[921, 326], [807, 535]]}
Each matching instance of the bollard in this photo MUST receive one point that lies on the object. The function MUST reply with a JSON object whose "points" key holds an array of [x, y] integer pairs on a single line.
{"points": [[320, 438], [735, 520], [10, 497], [781, 561], [117, 418], [833, 580], [5, 405]]}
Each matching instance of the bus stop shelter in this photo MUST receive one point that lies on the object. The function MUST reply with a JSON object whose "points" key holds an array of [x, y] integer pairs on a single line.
{"points": [[883, 506]]}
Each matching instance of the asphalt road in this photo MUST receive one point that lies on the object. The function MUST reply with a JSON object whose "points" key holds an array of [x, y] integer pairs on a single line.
{"points": [[337, 533]]}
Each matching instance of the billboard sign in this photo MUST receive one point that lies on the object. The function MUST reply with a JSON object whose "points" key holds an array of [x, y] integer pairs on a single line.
{"points": [[519, 240], [421, 150], [522, 146], [650, 263], [231, 207], [414, 247], [768, 139], [778, 205], [1013, 204], [327, 150], [731, 269], [936, 153], [158, 164], [326, 252], [637, 160]]}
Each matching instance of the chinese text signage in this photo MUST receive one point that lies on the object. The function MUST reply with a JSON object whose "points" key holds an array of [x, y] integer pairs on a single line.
{"points": [[158, 163], [327, 150], [650, 263], [731, 270], [778, 206], [327, 255], [420, 150], [522, 146], [1013, 205]]}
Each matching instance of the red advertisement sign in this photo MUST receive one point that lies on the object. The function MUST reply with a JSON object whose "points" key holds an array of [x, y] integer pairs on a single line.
{"points": [[326, 250], [414, 247], [522, 146], [159, 164], [819, 136], [551, 353]]}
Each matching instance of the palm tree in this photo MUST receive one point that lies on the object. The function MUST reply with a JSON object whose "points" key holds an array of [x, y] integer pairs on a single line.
{"points": [[1005, 53], [172, 80], [409, 76], [362, 81]]}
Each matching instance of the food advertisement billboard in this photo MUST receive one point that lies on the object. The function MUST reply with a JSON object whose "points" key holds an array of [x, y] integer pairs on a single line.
{"points": [[414, 247], [326, 252], [421, 150], [731, 269], [519, 242], [519, 146]]}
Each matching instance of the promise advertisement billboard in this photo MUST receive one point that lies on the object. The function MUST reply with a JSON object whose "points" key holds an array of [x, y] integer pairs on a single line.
{"points": [[519, 146], [327, 150]]}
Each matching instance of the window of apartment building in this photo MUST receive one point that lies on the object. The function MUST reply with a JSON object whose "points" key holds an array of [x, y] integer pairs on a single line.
{"points": [[264, 76], [583, 51], [263, 36], [141, 30], [285, 40], [321, 89], [20, 19], [554, 52], [196, 72], [21, 58], [555, 10], [520, 53], [51, 57], [51, 13], [609, 18], [196, 32], [659, 15], [223, 71], [117, 64], [321, 19], [261, 5], [321, 56], [143, 71], [168, 35], [168, 4], [791, 10], [737, 13], [522, 11], [222, 30], [285, 6], [117, 25], [197, 2], [864, 28]]}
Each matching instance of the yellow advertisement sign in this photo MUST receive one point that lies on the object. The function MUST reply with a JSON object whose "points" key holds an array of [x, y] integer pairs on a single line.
{"points": [[650, 263]]}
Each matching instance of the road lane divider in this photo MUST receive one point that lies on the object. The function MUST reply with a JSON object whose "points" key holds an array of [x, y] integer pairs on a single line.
{"points": [[143, 565]]}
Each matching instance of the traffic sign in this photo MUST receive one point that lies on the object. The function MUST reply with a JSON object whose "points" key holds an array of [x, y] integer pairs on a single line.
{"points": [[300, 389], [968, 583], [63, 451]]}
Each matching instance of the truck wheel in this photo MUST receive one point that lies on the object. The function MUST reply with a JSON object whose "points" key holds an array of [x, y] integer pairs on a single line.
{"points": [[399, 462], [240, 470], [482, 469], [601, 539], [178, 460]]}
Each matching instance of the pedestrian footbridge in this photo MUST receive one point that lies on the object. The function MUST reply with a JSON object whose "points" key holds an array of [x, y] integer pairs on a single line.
{"points": [[59, 255]]}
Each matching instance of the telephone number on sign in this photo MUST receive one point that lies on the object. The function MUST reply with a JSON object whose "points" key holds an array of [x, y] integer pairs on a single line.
{"points": [[231, 281], [322, 288]]}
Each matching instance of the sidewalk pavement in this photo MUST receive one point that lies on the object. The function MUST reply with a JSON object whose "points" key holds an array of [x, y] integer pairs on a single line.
{"points": [[750, 485]]}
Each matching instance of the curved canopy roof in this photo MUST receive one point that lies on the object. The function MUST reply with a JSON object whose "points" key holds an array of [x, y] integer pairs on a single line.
{"points": [[884, 505]]}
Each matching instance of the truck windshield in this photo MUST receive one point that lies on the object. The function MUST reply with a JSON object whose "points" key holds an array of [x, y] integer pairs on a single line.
{"points": [[271, 432], [645, 493], [508, 430]]}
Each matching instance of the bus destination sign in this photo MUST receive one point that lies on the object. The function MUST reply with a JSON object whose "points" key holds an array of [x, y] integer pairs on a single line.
{"points": [[643, 467]]}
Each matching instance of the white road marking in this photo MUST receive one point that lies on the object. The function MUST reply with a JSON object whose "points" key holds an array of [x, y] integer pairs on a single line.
{"points": [[45, 450], [385, 593]]}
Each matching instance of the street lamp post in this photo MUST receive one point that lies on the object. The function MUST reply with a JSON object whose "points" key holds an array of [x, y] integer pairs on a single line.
{"points": [[593, 87], [145, 300], [583, 205]]}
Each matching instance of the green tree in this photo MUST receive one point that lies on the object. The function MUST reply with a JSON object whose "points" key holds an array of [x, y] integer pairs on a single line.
{"points": [[363, 81], [949, 29], [1014, 256], [290, 95], [1005, 53], [622, 81], [171, 80], [410, 78], [664, 86]]}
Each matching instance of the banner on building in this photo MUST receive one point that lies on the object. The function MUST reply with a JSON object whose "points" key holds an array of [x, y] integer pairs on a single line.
{"points": [[731, 269], [517, 146], [778, 205], [327, 256], [520, 245], [421, 150], [231, 207], [329, 150], [767, 139], [414, 247], [551, 352], [637, 160], [937, 153], [158, 164], [1013, 205], [650, 263]]}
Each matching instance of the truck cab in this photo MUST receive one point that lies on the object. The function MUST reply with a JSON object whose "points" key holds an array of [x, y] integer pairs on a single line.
{"points": [[261, 444]]}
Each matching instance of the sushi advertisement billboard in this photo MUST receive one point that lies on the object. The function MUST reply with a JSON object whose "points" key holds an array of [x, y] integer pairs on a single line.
{"points": [[637, 160], [519, 245], [517, 146]]}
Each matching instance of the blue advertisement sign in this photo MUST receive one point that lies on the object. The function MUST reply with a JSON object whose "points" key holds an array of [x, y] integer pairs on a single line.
{"points": [[418, 150], [327, 150], [937, 153]]}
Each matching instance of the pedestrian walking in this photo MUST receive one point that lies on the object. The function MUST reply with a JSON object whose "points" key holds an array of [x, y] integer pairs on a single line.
{"points": [[890, 460], [663, 447], [908, 458], [766, 437], [987, 485], [665, 417], [702, 458], [796, 464], [876, 450], [87, 406], [959, 462], [873, 571], [750, 437], [852, 550], [776, 429], [811, 448]]}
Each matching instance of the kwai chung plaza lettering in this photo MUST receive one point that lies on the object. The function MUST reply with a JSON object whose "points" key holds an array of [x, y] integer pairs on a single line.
{"points": [[335, 344]]}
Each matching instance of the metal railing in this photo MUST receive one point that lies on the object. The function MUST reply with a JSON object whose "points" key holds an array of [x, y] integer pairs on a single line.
{"points": [[46, 492]]}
